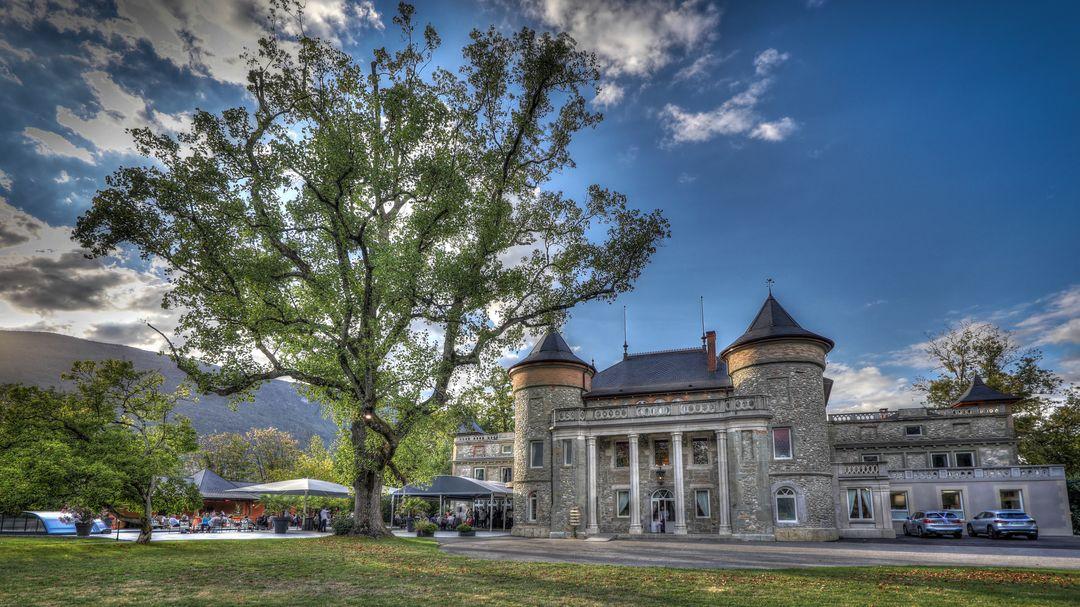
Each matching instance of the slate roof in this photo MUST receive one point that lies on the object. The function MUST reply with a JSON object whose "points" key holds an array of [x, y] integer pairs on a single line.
{"points": [[212, 486], [978, 392], [551, 348], [667, 371], [454, 486], [774, 322], [470, 427]]}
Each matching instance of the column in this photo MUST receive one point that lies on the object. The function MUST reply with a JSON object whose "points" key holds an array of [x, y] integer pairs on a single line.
{"points": [[680, 495], [722, 489], [635, 486], [592, 528]]}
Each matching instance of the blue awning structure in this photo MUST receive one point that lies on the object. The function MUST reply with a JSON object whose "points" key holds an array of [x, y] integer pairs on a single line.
{"points": [[454, 487], [61, 523]]}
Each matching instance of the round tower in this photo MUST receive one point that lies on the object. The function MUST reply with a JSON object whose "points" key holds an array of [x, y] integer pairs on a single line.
{"points": [[551, 377], [783, 361]]}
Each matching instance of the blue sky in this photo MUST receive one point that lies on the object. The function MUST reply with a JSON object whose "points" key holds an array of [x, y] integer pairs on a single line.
{"points": [[895, 167]]}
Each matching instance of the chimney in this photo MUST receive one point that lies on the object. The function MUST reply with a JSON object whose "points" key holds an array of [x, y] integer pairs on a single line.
{"points": [[710, 349]]}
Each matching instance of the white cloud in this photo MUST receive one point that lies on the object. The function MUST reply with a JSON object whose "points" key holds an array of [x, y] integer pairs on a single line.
{"points": [[735, 116], [120, 111], [62, 178], [206, 36], [698, 68], [48, 143], [1056, 321], [767, 60], [686, 178], [867, 389], [631, 38], [609, 94], [774, 131], [5, 180]]}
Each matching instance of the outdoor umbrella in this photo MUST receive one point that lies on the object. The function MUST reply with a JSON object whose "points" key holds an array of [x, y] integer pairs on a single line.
{"points": [[297, 486]]}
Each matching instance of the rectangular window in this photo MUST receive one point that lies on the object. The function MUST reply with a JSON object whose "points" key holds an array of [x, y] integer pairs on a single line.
{"points": [[622, 454], [508, 449], [1011, 499], [536, 454], [700, 449], [939, 460], [860, 504], [952, 499], [912, 430], [567, 451], [507, 474], [871, 458], [478, 473], [781, 443], [964, 459], [531, 506], [622, 504], [701, 503], [898, 505], [661, 453]]}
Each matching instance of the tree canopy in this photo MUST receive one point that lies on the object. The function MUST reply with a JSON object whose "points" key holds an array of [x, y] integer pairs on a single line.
{"points": [[378, 230]]}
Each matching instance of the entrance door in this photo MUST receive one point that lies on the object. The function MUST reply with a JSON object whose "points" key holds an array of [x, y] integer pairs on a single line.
{"points": [[663, 512]]}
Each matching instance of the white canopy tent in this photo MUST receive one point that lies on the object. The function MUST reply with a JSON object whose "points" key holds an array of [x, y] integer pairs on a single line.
{"points": [[297, 486]]}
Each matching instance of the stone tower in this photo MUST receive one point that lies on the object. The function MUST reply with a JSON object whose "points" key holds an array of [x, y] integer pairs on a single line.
{"points": [[779, 359], [551, 377]]}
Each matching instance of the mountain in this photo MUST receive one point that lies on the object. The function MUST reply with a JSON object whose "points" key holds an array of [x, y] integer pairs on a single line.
{"points": [[38, 359]]}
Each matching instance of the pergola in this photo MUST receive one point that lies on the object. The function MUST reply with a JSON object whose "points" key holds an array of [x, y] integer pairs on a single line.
{"points": [[460, 488]]}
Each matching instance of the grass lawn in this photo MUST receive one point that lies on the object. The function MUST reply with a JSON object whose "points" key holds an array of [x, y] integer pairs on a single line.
{"points": [[336, 570]]}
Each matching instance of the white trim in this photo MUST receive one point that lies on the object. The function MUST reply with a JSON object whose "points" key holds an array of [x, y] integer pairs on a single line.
{"points": [[627, 492], [708, 504], [531, 458], [791, 442], [1020, 493], [789, 492], [531, 507]]}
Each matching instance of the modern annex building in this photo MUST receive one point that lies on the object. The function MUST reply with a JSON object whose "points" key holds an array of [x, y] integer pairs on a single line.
{"points": [[738, 443]]}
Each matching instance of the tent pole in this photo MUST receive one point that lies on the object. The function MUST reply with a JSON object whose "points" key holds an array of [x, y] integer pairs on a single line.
{"points": [[491, 505], [504, 513]]}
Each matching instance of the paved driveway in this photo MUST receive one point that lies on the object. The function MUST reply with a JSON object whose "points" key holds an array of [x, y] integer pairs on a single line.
{"points": [[1057, 553]]}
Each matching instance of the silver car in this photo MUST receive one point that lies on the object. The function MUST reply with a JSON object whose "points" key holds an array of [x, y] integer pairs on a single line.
{"points": [[1001, 523], [934, 522]]}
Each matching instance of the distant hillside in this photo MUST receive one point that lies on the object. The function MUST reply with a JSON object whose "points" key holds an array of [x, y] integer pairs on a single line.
{"points": [[39, 359]]}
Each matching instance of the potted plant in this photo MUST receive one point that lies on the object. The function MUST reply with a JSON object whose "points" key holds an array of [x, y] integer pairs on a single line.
{"points": [[465, 530], [426, 529], [84, 520], [412, 508]]}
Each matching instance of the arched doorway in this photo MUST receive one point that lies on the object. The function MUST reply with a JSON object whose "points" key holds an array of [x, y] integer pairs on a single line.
{"points": [[663, 512]]}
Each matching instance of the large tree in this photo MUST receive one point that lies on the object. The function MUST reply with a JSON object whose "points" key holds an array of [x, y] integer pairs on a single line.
{"points": [[374, 231]]}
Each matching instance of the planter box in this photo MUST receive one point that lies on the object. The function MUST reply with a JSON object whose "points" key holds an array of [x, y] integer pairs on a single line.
{"points": [[425, 534], [466, 533], [83, 529]]}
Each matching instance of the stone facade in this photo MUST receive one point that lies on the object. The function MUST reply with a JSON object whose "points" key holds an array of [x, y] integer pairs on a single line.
{"points": [[739, 444]]}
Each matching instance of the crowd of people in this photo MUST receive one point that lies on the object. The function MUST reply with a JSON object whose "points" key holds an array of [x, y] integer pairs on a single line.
{"points": [[449, 520], [212, 521]]}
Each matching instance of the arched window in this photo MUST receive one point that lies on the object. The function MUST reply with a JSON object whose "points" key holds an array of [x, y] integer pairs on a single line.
{"points": [[785, 506], [530, 507]]}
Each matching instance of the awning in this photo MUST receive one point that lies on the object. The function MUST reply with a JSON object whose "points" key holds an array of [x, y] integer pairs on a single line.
{"points": [[457, 487]]}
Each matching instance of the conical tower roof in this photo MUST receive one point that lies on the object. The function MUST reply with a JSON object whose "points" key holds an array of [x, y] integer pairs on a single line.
{"points": [[774, 322], [979, 392], [551, 348]]}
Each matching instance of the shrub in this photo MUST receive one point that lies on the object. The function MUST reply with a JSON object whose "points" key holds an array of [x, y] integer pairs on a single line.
{"points": [[342, 524], [426, 529], [464, 528]]}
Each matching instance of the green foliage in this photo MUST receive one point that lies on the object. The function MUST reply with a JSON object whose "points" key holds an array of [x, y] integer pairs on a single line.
{"points": [[426, 529], [176, 495], [227, 454], [490, 401], [109, 443], [343, 525], [414, 506], [464, 528], [376, 231]]}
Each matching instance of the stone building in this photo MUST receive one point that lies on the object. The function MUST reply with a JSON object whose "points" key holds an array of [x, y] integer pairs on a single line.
{"points": [[738, 443]]}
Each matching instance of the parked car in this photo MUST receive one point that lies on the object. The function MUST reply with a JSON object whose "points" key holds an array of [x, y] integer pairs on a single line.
{"points": [[1000, 523], [934, 522]]}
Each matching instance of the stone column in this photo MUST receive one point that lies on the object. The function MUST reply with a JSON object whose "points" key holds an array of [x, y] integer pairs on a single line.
{"points": [[723, 502], [635, 486], [592, 528], [680, 495]]}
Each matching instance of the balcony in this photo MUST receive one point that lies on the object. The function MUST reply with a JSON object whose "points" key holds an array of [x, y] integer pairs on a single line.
{"points": [[979, 474], [917, 413]]}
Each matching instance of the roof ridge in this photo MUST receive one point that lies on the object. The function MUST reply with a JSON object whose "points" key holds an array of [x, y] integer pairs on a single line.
{"points": [[668, 351]]}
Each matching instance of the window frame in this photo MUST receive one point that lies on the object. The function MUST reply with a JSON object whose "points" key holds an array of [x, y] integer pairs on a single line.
{"points": [[941, 499], [876, 460], [693, 453], [708, 504], [788, 493], [618, 493], [532, 454], [507, 449], [482, 472], [790, 441], [930, 459], [568, 452], [503, 474], [1019, 496], [907, 506], [615, 455], [656, 462], [532, 504], [865, 498], [956, 459], [917, 427]]}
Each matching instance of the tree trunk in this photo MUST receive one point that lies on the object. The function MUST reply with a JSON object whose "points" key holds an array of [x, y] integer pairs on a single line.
{"points": [[145, 526], [367, 487]]}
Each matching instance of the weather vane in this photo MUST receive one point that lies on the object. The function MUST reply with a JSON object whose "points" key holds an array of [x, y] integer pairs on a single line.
{"points": [[769, 283]]}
